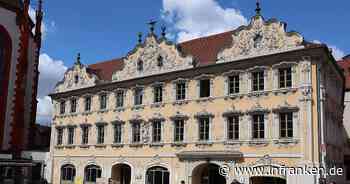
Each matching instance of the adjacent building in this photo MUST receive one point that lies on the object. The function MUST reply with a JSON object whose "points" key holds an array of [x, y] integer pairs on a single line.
{"points": [[20, 43], [175, 113]]}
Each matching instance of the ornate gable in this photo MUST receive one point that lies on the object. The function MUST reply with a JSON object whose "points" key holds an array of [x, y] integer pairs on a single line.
{"points": [[260, 38], [155, 57], [76, 77]]}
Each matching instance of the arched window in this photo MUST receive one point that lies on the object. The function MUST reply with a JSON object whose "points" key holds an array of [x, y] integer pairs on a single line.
{"points": [[157, 175], [92, 172], [67, 173]]}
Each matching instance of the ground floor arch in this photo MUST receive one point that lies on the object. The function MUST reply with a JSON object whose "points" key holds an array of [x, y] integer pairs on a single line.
{"points": [[207, 173], [121, 174], [157, 175], [267, 180]]}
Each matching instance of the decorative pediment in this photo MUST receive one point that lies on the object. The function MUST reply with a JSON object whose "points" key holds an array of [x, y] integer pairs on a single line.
{"points": [[76, 77], [260, 38], [152, 57]]}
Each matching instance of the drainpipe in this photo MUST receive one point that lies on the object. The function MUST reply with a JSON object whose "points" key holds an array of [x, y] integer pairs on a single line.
{"points": [[320, 114]]}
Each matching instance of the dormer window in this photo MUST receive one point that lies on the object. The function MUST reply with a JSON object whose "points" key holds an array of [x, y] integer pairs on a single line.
{"points": [[140, 65], [76, 79], [160, 61]]}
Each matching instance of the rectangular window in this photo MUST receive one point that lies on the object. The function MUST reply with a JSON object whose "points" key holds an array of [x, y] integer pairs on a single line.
{"points": [[85, 135], [73, 106], [179, 130], [136, 132], [204, 88], [204, 128], [181, 91], [70, 135], [103, 101], [63, 107], [233, 84], [88, 104], [233, 127], [100, 134], [157, 131], [258, 81], [117, 133], [120, 99], [158, 94], [59, 136], [138, 96], [286, 125], [258, 127], [285, 77]]}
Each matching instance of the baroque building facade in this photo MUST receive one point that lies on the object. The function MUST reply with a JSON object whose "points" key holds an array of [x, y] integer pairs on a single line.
{"points": [[176, 113]]}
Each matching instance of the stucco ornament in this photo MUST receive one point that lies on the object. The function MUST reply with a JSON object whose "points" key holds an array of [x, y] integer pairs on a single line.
{"points": [[260, 38], [156, 56], [76, 77]]}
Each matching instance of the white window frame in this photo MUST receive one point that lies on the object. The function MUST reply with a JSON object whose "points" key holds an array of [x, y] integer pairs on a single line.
{"points": [[211, 83], [250, 71], [177, 81], [276, 67]]}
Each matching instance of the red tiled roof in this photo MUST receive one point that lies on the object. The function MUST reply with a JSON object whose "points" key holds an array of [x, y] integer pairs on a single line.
{"points": [[345, 65], [204, 50]]}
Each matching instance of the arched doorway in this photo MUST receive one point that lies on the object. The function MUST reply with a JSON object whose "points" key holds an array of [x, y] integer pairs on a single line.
{"points": [[67, 174], [92, 172], [207, 173], [121, 174], [157, 175], [267, 180]]}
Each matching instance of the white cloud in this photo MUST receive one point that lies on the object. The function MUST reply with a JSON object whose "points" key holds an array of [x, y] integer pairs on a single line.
{"points": [[51, 71], [336, 51], [197, 18]]}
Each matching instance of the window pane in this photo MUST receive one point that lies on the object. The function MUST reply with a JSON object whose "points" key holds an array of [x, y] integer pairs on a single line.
{"points": [[157, 130], [136, 132], [103, 101], [204, 129], [87, 103], [234, 84], [100, 134], [181, 91], [62, 107], [258, 127], [205, 88], [138, 96], [286, 125], [117, 133], [158, 94], [120, 99]]}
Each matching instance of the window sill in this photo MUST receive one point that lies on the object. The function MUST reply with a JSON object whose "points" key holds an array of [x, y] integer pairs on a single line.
{"points": [[102, 110], [179, 144], [180, 102], [233, 96], [138, 107], [204, 99], [70, 146], [258, 142], [84, 146], [119, 109], [157, 105], [135, 145], [117, 145], [257, 93], [156, 144], [285, 141], [100, 146], [203, 143], [233, 142], [284, 90], [59, 146], [87, 112]]}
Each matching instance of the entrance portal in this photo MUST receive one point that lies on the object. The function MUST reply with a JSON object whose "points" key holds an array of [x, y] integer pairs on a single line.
{"points": [[121, 174], [267, 180], [207, 174]]}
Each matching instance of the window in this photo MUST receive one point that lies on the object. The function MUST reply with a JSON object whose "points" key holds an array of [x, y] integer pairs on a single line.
{"points": [[88, 103], [92, 172], [181, 91], [233, 127], [68, 173], [136, 132], [103, 101], [179, 130], [258, 127], [286, 125], [160, 61], [73, 105], [157, 175], [204, 88], [140, 65], [233, 84], [63, 107], [85, 135], [59, 136], [285, 77], [100, 134], [138, 96], [204, 128], [258, 81], [70, 135], [118, 133], [76, 79], [120, 99], [157, 131], [158, 94]]}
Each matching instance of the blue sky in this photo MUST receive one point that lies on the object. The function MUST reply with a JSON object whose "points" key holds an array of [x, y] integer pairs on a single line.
{"points": [[103, 30]]}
